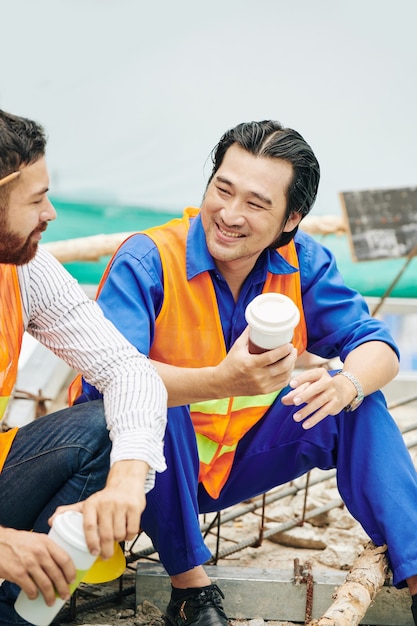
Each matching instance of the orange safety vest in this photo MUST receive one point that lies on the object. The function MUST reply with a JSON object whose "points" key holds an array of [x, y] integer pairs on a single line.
{"points": [[188, 333], [11, 334]]}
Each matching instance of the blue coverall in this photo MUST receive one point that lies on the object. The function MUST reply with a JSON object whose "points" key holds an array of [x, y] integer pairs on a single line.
{"points": [[375, 474]]}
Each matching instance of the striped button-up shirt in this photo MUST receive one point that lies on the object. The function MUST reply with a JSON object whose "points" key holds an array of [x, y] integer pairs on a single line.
{"points": [[58, 313]]}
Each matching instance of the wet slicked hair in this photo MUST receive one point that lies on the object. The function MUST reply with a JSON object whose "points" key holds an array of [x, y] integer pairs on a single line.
{"points": [[270, 139], [22, 142]]}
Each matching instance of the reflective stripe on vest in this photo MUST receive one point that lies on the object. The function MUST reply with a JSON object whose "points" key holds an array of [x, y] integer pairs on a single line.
{"points": [[11, 334], [208, 449]]}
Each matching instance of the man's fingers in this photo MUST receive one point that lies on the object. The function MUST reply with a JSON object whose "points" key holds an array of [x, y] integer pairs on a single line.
{"points": [[90, 522], [28, 586], [50, 590], [50, 574]]}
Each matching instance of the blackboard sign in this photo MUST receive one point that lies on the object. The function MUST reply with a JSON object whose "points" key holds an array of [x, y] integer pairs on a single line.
{"points": [[382, 223]]}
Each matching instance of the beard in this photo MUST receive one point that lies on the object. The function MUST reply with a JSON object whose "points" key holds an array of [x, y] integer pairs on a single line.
{"points": [[15, 249]]}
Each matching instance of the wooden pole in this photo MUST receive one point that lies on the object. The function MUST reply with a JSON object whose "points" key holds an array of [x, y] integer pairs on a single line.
{"points": [[94, 247], [354, 597], [86, 248]]}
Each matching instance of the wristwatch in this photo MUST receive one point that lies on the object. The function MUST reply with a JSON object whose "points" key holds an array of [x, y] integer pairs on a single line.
{"points": [[359, 391]]}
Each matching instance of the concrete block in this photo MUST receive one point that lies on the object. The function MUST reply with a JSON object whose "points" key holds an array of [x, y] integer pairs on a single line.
{"points": [[270, 594]]}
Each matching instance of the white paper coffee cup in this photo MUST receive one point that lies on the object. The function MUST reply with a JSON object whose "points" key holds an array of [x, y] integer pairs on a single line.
{"points": [[272, 318], [68, 532]]}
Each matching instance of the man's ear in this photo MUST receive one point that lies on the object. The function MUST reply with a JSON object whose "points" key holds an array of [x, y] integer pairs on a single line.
{"points": [[293, 221]]}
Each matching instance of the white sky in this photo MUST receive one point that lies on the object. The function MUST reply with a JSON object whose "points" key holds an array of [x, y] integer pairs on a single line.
{"points": [[134, 94]]}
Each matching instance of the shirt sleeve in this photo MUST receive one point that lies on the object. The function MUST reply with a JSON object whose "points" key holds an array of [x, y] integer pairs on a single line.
{"points": [[133, 292], [58, 313], [337, 317]]}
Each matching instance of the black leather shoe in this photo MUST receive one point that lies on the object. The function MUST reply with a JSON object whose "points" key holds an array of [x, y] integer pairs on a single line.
{"points": [[203, 607]]}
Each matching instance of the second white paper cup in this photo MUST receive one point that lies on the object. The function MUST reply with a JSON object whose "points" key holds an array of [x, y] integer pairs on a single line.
{"points": [[68, 532], [272, 318]]}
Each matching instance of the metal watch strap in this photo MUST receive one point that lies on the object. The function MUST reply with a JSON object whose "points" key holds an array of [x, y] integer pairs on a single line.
{"points": [[359, 391]]}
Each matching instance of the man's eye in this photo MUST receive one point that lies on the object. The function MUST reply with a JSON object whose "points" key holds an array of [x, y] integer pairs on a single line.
{"points": [[223, 190], [39, 201]]}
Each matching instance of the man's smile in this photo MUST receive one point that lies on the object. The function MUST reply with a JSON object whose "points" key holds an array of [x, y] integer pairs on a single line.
{"points": [[229, 233]]}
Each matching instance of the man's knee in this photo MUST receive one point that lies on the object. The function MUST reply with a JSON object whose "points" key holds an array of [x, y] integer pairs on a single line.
{"points": [[88, 417], [92, 415]]}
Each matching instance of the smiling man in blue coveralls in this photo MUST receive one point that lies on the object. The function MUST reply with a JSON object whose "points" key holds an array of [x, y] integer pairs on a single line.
{"points": [[240, 424]]}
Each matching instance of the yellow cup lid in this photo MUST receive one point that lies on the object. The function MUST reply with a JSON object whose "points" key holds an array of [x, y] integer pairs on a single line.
{"points": [[102, 571]]}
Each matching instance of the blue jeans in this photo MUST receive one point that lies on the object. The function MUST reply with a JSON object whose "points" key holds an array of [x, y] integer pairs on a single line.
{"points": [[58, 459]]}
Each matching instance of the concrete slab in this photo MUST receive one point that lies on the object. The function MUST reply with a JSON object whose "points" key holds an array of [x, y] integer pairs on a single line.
{"points": [[272, 594]]}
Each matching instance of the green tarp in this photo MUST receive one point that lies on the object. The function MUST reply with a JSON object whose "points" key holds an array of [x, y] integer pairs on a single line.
{"points": [[76, 219]]}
